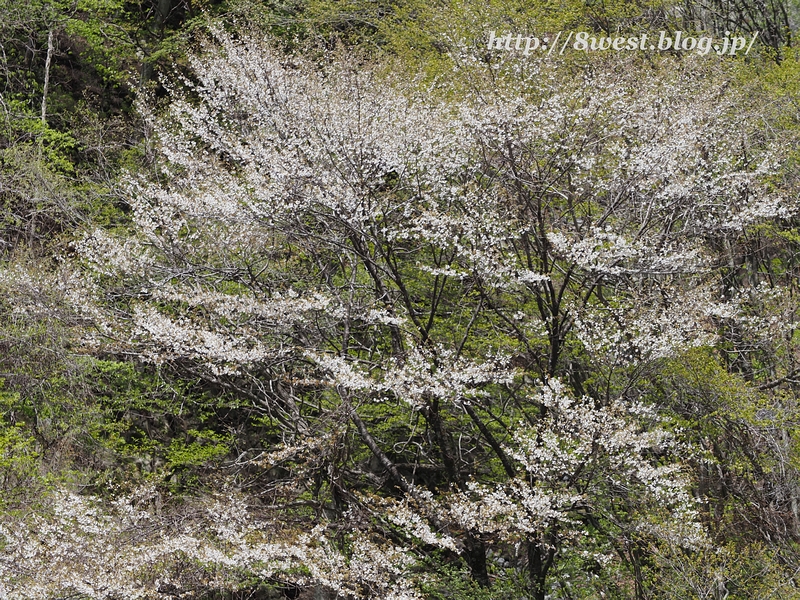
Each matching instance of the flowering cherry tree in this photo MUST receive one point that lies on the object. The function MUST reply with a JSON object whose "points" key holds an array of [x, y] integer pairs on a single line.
{"points": [[445, 300]]}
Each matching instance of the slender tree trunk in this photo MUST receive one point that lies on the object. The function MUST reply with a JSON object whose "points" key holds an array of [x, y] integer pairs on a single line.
{"points": [[47, 75], [793, 488], [539, 563], [163, 8], [476, 558]]}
